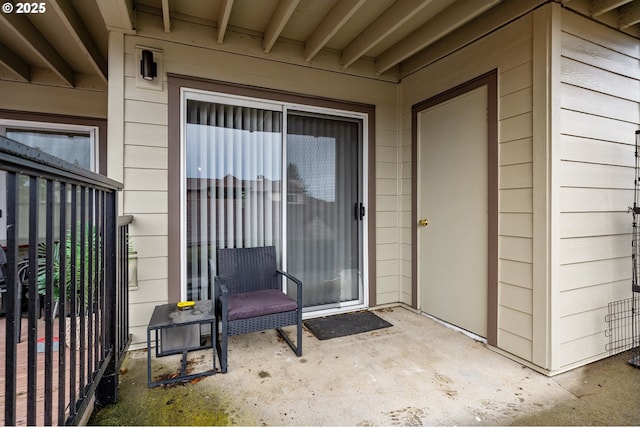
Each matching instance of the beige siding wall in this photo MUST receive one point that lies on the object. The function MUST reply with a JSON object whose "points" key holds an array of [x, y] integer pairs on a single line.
{"points": [[80, 102], [145, 146], [510, 51], [600, 89]]}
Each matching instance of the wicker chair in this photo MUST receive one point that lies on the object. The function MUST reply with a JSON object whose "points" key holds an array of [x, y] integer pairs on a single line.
{"points": [[249, 297]]}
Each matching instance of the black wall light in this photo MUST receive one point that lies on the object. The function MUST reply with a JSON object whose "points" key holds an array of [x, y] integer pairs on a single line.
{"points": [[148, 68]]}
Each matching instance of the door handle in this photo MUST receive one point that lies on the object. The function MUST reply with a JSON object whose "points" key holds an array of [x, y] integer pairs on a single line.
{"points": [[423, 222], [358, 211]]}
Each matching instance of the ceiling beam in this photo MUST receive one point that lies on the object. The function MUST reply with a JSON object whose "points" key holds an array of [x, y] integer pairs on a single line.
{"points": [[629, 15], [277, 22], [337, 17], [14, 63], [76, 28], [453, 17], [223, 18], [24, 30], [601, 7], [396, 15], [166, 16], [118, 15]]}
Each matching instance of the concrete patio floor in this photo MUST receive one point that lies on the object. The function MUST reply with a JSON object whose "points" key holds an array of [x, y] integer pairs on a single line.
{"points": [[417, 372]]}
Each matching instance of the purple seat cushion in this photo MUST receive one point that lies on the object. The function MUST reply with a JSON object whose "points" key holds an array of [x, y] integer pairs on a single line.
{"points": [[259, 303]]}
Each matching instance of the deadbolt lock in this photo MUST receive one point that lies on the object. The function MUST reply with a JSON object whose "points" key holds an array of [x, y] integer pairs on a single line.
{"points": [[423, 222]]}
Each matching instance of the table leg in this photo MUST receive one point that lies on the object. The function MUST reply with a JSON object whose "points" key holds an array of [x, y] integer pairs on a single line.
{"points": [[149, 357]]}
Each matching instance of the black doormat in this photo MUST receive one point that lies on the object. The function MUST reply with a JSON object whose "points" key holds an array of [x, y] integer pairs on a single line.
{"points": [[341, 325]]}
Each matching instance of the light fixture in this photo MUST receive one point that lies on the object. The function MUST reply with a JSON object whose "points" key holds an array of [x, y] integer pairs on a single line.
{"points": [[148, 68]]}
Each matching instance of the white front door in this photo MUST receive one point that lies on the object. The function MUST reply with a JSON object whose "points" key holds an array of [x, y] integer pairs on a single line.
{"points": [[452, 196]]}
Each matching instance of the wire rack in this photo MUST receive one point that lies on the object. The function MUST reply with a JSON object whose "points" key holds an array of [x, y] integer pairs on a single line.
{"points": [[623, 326]]}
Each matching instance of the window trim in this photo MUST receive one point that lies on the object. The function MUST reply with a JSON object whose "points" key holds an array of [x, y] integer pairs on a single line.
{"points": [[40, 121], [176, 83]]}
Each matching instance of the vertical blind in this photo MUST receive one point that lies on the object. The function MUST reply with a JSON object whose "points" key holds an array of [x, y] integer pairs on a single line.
{"points": [[233, 184], [323, 189]]}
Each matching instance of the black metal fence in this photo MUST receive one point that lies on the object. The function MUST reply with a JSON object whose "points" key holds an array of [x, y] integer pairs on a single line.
{"points": [[65, 301]]}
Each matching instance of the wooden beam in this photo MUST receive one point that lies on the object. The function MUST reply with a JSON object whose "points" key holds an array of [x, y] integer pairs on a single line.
{"points": [[28, 34], [601, 7], [277, 22], [337, 17], [76, 28], [118, 15], [396, 15], [453, 17], [14, 63], [166, 16], [223, 18], [629, 15]]}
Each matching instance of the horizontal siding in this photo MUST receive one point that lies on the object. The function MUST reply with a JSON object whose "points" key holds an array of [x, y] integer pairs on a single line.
{"points": [[581, 124], [594, 273], [576, 98], [145, 134], [52, 99], [587, 76], [516, 224], [590, 224], [520, 323], [515, 248], [591, 298], [515, 344], [516, 151], [516, 273], [584, 249], [600, 89], [580, 149], [580, 174], [516, 176], [521, 298], [576, 199]]}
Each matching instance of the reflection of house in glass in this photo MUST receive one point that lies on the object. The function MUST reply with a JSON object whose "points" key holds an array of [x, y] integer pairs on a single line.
{"points": [[232, 212]]}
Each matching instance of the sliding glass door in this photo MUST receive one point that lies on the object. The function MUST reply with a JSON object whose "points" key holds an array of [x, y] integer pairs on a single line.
{"points": [[259, 173]]}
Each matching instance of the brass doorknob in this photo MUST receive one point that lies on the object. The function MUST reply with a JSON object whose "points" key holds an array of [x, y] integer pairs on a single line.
{"points": [[423, 222]]}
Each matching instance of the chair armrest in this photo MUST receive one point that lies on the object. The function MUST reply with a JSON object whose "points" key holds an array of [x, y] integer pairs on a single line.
{"points": [[221, 298], [290, 277], [219, 289], [298, 283]]}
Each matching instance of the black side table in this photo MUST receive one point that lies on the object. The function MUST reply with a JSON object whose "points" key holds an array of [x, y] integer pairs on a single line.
{"points": [[168, 316]]}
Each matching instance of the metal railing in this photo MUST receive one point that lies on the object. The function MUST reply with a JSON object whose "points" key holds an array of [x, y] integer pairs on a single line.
{"points": [[66, 272]]}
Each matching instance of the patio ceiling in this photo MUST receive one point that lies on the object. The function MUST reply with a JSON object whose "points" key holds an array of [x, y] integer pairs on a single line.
{"points": [[67, 44]]}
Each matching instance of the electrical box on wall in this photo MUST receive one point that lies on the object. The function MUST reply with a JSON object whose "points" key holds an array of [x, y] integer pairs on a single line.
{"points": [[149, 68]]}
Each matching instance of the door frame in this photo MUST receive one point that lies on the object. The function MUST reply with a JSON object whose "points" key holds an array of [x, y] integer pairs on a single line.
{"points": [[177, 82], [490, 80]]}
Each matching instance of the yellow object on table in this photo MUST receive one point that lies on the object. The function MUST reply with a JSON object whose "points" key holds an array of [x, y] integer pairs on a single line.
{"points": [[185, 305]]}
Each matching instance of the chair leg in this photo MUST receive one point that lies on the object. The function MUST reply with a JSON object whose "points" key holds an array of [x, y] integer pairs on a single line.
{"points": [[297, 347], [221, 348]]}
